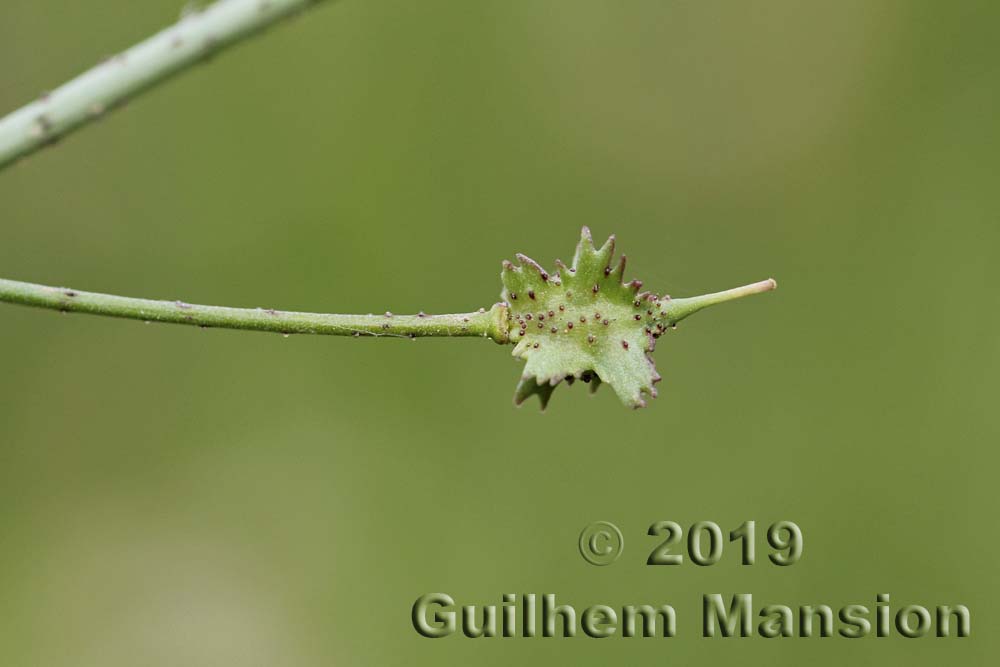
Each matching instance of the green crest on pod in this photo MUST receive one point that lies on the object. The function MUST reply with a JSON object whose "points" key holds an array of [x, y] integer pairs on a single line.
{"points": [[582, 322]]}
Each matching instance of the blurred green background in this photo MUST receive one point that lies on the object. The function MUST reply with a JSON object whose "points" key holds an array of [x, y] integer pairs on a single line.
{"points": [[177, 496]]}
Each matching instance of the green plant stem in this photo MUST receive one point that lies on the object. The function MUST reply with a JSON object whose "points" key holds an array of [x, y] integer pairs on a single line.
{"points": [[676, 310], [483, 323], [194, 38]]}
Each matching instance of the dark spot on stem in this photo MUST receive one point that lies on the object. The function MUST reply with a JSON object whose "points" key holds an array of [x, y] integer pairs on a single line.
{"points": [[42, 126]]}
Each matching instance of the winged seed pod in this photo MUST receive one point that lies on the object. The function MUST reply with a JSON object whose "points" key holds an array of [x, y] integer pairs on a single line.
{"points": [[583, 321], [586, 322]]}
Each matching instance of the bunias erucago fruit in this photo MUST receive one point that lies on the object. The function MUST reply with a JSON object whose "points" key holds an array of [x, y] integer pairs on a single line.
{"points": [[586, 322], [580, 322]]}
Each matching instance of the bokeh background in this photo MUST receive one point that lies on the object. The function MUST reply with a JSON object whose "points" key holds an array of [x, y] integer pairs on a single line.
{"points": [[177, 496]]}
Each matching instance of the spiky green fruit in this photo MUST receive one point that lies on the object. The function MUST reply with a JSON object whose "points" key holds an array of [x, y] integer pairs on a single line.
{"points": [[586, 322]]}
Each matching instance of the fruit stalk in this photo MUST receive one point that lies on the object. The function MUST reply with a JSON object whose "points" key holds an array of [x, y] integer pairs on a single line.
{"points": [[482, 323]]}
